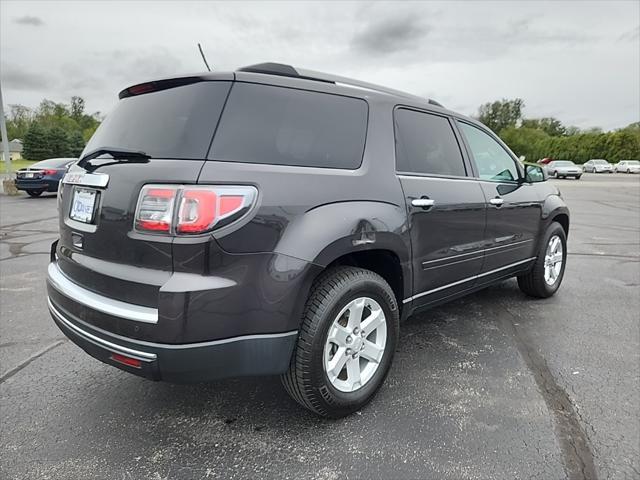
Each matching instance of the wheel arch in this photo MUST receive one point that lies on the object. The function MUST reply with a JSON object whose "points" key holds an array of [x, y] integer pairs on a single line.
{"points": [[365, 234], [563, 219]]}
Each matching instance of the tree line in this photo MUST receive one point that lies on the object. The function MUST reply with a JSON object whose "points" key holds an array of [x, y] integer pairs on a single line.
{"points": [[52, 129], [548, 137]]}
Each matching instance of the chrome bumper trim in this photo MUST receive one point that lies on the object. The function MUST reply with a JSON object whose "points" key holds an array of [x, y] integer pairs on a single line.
{"points": [[112, 347], [128, 311]]}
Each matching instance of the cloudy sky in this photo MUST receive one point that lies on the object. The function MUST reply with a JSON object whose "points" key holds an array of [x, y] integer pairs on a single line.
{"points": [[577, 61]]}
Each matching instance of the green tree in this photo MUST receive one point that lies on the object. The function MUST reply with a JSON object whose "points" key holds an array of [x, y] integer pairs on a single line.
{"points": [[58, 142], [622, 145], [18, 121], [35, 143], [77, 108], [87, 133], [76, 143], [551, 126], [501, 114], [526, 141]]}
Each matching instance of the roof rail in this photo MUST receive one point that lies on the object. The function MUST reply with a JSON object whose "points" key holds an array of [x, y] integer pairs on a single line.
{"points": [[284, 70]]}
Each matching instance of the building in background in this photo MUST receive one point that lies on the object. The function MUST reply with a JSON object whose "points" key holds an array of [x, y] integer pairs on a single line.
{"points": [[15, 149]]}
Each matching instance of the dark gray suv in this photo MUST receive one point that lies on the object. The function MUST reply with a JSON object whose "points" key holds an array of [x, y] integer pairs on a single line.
{"points": [[275, 221]]}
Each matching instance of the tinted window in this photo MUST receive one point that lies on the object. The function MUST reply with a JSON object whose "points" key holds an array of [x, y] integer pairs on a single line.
{"points": [[426, 144], [492, 160], [174, 123], [283, 126]]}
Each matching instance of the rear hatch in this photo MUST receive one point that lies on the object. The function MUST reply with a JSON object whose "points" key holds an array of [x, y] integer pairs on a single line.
{"points": [[173, 123]]}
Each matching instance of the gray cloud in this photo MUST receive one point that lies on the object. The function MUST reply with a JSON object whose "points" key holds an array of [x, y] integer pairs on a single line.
{"points": [[29, 20], [134, 66], [20, 79], [632, 35], [390, 35], [554, 55]]}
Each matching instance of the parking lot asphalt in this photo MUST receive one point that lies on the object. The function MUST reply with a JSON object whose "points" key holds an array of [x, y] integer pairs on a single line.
{"points": [[495, 385]]}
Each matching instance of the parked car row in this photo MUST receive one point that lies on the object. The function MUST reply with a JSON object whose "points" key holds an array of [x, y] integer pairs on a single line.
{"points": [[566, 168]]}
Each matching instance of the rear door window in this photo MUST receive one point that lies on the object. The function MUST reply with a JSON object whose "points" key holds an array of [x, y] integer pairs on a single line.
{"points": [[176, 123], [426, 144], [284, 126]]}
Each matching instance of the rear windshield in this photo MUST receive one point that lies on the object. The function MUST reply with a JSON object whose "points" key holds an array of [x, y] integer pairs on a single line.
{"points": [[284, 126], [174, 123]]}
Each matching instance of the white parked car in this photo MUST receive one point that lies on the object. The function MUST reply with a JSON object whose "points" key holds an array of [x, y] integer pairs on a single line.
{"points": [[627, 166], [597, 166], [563, 169]]}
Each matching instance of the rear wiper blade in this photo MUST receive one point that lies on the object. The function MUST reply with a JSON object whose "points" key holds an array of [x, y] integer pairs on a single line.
{"points": [[121, 154]]}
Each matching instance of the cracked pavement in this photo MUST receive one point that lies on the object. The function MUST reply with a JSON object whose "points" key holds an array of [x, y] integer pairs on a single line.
{"points": [[494, 385]]}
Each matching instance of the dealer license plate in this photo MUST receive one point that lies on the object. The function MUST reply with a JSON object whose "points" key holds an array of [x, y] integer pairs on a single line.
{"points": [[83, 204]]}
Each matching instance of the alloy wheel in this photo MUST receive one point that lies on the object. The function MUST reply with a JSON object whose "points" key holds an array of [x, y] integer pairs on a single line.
{"points": [[553, 260], [355, 344]]}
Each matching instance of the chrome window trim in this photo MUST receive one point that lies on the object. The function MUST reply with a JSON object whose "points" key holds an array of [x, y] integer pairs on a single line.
{"points": [[110, 306], [434, 176], [144, 356], [468, 279]]}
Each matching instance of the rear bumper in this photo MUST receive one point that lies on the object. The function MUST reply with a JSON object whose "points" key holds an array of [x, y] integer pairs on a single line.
{"points": [[249, 354], [267, 354], [28, 184], [569, 174]]}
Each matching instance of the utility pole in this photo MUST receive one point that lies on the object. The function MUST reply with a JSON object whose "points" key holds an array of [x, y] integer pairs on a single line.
{"points": [[3, 132]]}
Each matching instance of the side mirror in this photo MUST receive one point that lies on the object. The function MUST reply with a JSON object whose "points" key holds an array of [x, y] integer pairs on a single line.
{"points": [[534, 173]]}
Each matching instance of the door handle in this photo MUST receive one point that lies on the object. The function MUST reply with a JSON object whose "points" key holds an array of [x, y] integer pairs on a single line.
{"points": [[423, 202], [497, 201]]}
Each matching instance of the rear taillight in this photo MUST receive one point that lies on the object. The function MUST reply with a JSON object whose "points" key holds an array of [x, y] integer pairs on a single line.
{"points": [[188, 210], [49, 172], [155, 208]]}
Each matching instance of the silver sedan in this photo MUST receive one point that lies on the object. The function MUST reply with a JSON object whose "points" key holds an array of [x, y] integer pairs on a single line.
{"points": [[563, 169]]}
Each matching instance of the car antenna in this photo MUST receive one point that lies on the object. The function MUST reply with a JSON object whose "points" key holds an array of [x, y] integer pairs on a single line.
{"points": [[204, 59]]}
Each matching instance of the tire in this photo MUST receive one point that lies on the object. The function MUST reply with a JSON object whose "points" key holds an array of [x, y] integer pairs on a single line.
{"points": [[307, 380], [578, 177], [35, 193], [534, 283], [555, 174]]}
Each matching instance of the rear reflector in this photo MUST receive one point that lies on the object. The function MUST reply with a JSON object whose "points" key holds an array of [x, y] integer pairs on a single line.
{"points": [[188, 210], [130, 362]]}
